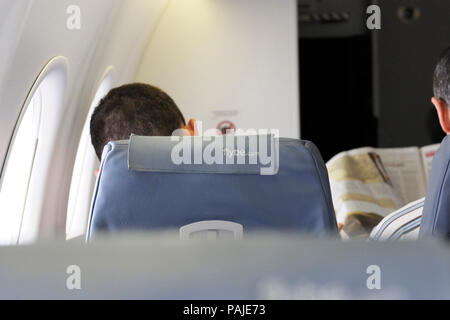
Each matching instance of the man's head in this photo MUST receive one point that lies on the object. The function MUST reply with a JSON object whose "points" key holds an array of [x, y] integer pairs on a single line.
{"points": [[441, 87], [135, 108]]}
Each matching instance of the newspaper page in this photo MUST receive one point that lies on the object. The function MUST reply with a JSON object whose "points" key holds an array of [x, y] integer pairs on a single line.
{"points": [[427, 154], [361, 185], [368, 184], [405, 169]]}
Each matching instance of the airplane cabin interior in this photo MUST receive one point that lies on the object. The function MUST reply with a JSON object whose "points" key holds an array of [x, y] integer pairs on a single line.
{"points": [[292, 149]]}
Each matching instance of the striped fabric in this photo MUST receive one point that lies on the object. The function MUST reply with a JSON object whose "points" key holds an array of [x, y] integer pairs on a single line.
{"points": [[402, 224]]}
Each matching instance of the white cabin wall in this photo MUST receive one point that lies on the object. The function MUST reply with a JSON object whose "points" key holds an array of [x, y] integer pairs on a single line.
{"points": [[229, 60], [113, 33], [12, 21]]}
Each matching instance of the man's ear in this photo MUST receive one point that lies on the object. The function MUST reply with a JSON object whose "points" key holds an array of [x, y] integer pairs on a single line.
{"points": [[191, 127], [443, 113]]}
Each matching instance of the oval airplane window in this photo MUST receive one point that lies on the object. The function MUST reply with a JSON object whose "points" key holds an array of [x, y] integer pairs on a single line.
{"points": [[20, 168], [86, 162], [16, 177]]}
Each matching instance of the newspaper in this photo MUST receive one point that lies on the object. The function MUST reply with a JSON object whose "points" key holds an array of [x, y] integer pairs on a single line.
{"points": [[370, 183]]}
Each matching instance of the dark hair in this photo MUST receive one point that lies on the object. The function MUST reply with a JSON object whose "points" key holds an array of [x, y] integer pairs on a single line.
{"points": [[441, 79], [133, 108]]}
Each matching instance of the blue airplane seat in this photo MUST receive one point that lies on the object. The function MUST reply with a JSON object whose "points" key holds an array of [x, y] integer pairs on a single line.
{"points": [[156, 183], [436, 210]]}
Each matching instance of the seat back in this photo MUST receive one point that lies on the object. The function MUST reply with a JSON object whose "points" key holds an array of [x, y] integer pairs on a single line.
{"points": [[436, 210], [148, 183]]}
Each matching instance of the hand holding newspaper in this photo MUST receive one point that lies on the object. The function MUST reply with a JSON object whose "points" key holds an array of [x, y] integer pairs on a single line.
{"points": [[367, 184]]}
